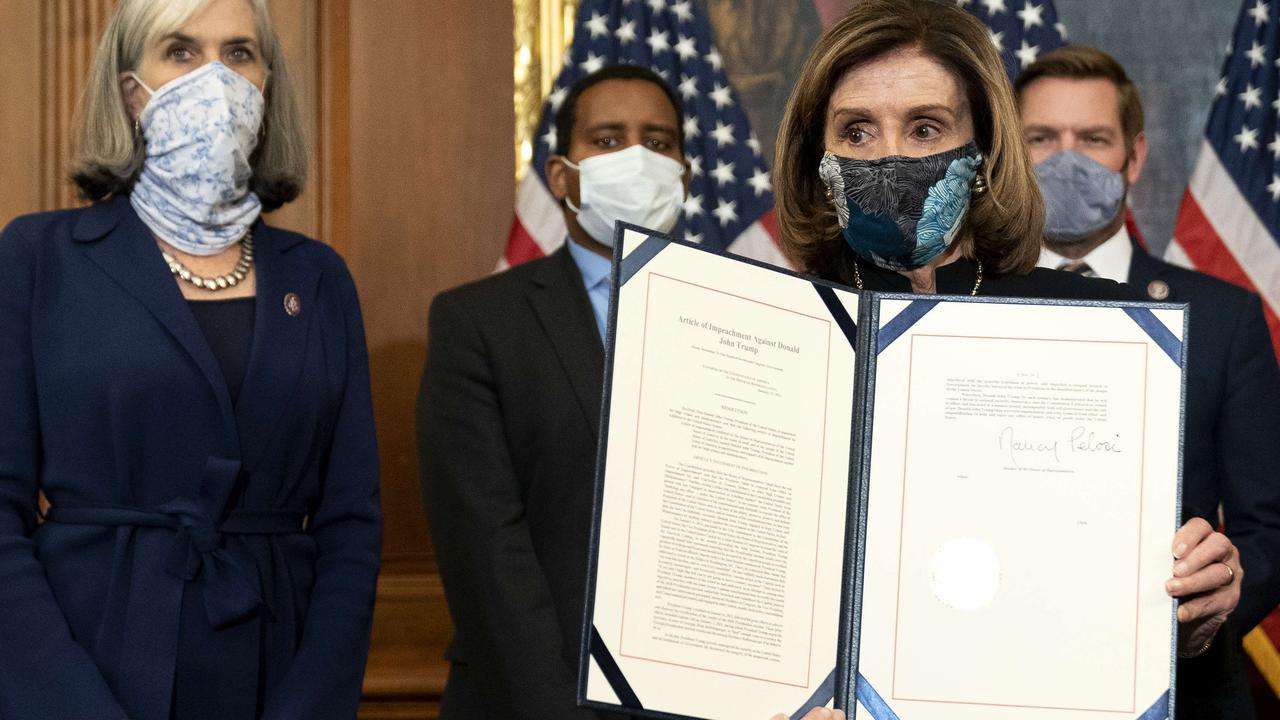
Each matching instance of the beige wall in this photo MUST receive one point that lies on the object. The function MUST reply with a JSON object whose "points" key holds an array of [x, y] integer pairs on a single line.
{"points": [[408, 108]]}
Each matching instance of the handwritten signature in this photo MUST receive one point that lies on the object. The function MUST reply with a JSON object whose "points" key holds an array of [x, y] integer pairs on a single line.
{"points": [[1080, 440]]}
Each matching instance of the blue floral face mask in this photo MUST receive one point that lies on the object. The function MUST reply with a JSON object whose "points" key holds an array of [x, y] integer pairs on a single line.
{"points": [[901, 212], [200, 130]]}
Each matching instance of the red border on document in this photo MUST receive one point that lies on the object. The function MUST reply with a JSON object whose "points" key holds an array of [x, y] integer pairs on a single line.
{"points": [[635, 458], [1142, 476]]}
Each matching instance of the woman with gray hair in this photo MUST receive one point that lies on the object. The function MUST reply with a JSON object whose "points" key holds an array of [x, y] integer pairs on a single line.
{"points": [[188, 389]]}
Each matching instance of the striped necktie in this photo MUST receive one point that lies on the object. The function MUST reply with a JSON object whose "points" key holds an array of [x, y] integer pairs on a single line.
{"points": [[1078, 267]]}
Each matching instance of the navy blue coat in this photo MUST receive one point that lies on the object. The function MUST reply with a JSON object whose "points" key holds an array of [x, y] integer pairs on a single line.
{"points": [[113, 405], [1231, 455]]}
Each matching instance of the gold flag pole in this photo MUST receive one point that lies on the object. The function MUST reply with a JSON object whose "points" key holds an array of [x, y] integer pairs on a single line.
{"points": [[543, 30]]}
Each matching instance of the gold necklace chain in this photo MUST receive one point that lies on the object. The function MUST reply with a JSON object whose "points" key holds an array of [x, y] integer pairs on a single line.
{"points": [[217, 282], [857, 277]]}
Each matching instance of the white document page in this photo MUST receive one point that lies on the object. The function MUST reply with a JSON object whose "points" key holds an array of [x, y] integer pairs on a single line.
{"points": [[727, 472], [1022, 506]]}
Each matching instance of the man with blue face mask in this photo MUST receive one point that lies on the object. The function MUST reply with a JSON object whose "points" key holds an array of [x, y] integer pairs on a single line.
{"points": [[1083, 122], [509, 408]]}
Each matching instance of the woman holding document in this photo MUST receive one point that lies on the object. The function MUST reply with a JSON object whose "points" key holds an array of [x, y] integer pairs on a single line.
{"points": [[903, 111]]}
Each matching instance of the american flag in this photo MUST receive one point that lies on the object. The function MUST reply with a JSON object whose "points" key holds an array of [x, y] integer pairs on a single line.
{"points": [[1020, 29], [1229, 221], [730, 202]]}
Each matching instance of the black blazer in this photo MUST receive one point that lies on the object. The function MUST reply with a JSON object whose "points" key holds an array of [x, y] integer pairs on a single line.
{"points": [[1230, 456], [508, 416]]}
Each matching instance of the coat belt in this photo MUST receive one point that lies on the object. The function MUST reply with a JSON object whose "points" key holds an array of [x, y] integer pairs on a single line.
{"points": [[231, 591]]}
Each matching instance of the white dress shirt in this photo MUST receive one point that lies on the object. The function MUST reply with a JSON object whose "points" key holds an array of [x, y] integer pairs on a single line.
{"points": [[1109, 260]]}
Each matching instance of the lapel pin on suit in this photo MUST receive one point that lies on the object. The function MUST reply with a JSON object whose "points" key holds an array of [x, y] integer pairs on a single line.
{"points": [[1158, 290], [292, 305]]}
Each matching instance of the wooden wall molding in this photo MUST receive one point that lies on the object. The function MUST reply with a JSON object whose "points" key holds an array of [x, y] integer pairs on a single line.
{"points": [[406, 673], [297, 24], [333, 152], [69, 34], [22, 120]]}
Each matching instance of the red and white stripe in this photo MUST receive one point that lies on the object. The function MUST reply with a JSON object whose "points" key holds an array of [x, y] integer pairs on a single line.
{"points": [[538, 229], [538, 226], [1218, 232]]}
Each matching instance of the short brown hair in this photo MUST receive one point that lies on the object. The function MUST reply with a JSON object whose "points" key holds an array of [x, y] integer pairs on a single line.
{"points": [[1080, 62], [111, 153], [1004, 226]]}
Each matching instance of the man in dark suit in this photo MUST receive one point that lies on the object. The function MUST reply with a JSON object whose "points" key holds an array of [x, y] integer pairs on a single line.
{"points": [[1079, 100], [509, 410]]}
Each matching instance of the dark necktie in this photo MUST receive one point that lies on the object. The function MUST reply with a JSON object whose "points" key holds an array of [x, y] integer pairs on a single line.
{"points": [[1078, 267]]}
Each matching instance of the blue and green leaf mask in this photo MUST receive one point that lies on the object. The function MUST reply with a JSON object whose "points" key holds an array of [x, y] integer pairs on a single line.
{"points": [[901, 212]]}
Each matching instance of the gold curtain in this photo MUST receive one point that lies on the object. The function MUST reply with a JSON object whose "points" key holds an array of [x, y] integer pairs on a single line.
{"points": [[543, 30]]}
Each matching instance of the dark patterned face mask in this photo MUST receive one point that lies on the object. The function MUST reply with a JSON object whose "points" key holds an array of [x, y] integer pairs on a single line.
{"points": [[901, 212]]}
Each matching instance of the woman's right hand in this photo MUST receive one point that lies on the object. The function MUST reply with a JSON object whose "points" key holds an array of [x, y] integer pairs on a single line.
{"points": [[816, 714]]}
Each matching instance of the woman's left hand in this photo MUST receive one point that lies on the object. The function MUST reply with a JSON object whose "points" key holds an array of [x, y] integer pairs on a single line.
{"points": [[1206, 581]]}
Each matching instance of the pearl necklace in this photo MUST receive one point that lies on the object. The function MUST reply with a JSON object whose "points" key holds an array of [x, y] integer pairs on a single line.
{"points": [[857, 277], [219, 282]]}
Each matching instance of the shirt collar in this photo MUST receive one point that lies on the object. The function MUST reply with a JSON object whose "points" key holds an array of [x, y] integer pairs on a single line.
{"points": [[594, 268], [1109, 260]]}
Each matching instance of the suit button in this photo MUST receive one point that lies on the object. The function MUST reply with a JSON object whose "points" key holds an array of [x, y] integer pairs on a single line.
{"points": [[1158, 290], [292, 305]]}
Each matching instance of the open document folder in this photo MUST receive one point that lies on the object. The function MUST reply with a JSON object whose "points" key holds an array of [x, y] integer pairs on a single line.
{"points": [[889, 503]]}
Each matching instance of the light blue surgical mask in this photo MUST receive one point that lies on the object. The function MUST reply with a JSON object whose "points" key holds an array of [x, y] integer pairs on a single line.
{"points": [[200, 130], [901, 212], [1081, 196]]}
